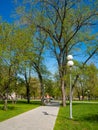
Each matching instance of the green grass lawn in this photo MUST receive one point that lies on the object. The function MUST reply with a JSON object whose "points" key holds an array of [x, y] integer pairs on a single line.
{"points": [[18, 108], [85, 117]]}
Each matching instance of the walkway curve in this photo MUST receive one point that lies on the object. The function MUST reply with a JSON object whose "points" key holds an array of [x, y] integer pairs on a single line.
{"points": [[41, 118]]}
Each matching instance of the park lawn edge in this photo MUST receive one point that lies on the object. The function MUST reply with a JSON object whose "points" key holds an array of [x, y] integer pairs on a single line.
{"points": [[17, 109]]}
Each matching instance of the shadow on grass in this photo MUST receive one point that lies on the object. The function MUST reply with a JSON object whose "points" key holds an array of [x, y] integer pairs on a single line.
{"points": [[31, 102], [90, 118], [12, 106], [23, 102], [8, 108], [36, 102]]}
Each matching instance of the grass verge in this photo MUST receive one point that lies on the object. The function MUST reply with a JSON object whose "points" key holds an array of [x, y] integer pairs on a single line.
{"points": [[85, 117], [16, 109]]}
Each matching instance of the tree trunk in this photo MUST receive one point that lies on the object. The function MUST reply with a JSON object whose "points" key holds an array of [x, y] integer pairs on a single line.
{"points": [[37, 67], [28, 94], [5, 104], [42, 93], [63, 93], [5, 101], [79, 96], [82, 94], [42, 89]]}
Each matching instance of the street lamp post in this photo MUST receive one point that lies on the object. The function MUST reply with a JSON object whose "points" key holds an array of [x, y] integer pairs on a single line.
{"points": [[70, 63]]}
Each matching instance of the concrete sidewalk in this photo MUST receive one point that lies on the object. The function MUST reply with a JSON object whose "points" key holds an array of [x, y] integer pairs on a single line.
{"points": [[41, 118]]}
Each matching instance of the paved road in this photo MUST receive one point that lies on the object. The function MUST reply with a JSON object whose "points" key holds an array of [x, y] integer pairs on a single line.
{"points": [[41, 118]]}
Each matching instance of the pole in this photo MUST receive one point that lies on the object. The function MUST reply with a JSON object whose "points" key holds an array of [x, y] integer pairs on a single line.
{"points": [[70, 96], [70, 64]]}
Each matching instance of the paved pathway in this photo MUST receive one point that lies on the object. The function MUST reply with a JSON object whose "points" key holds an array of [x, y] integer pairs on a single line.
{"points": [[41, 118]]}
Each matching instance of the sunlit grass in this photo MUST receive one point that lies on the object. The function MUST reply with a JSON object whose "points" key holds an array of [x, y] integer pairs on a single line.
{"points": [[85, 117], [16, 109]]}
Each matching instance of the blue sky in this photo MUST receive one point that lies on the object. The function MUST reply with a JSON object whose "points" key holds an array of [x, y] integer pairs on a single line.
{"points": [[6, 9]]}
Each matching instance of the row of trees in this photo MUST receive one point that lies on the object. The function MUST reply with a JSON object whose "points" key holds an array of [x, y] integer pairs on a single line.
{"points": [[18, 55], [54, 25]]}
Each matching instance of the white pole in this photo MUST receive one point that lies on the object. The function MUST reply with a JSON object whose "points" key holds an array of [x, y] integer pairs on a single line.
{"points": [[70, 64], [70, 96]]}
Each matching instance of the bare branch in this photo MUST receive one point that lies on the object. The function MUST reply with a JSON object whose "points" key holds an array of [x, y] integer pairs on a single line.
{"points": [[48, 32]]}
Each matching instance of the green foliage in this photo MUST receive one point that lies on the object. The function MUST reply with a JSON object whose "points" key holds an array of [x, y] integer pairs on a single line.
{"points": [[34, 88], [92, 78], [87, 80]]}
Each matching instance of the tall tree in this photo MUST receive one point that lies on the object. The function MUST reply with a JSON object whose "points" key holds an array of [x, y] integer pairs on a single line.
{"points": [[39, 39], [24, 55], [38, 64], [64, 22]]}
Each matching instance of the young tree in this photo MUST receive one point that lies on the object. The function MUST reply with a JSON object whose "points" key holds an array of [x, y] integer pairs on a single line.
{"points": [[87, 82], [91, 73], [7, 64]]}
